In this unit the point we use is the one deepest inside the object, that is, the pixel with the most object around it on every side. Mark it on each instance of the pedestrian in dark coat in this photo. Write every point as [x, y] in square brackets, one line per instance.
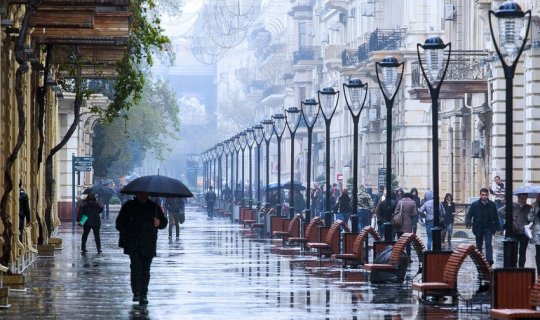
[409, 212]
[383, 214]
[91, 208]
[105, 194]
[24, 211]
[520, 212]
[483, 219]
[138, 222]
[416, 199]
[344, 206]
[449, 210]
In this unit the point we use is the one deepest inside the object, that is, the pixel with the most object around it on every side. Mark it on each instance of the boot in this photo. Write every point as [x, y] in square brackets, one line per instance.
[143, 299]
[449, 242]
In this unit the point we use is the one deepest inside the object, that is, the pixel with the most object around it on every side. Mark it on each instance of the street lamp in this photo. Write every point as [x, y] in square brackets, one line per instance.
[250, 139]
[434, 55]
[236, 143]
[242, 142]
[268, 130]
[511, 20]
[293, 119]
[219, 153]
[279, 128]
[310, 111]
[328, 100]
[388, 70]
[355, 93]
[227, 150]
[258, 135]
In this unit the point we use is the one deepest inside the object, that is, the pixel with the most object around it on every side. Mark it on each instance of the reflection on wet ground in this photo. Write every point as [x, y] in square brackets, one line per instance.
[219, 270]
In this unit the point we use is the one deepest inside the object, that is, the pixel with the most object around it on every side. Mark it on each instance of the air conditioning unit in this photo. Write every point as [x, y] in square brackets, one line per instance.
[368, 8]
[477, 150]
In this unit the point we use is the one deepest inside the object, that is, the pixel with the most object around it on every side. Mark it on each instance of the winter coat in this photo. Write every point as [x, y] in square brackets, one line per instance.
[408, 210]
[92, 209]
[449, 212]
[534, 217]
[344, 204]
[136, 225]
[520, 216]
[382, 213]
[427, 207]
[482, 216]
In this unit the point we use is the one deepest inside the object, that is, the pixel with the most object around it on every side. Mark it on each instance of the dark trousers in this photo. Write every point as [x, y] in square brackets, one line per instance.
[537, 258]
[210, 211]
[140, 272]
[86, 231]
[174, 220]
[105, 213]
[523, 242]
[487, 236]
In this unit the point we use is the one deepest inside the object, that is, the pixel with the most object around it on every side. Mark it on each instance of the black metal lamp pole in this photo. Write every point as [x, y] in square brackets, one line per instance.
[219, 151]
[237, 148]
[279, 128]
[510, 47]
[268, 130]
[203, 158]
[250, 140]
[242, 140]
[328, 100]
[293, 119]
[310, 111]
[226, 150]
[231, 150]
[214, 160]
[391, 80]
[434, 50]
[258, 136]
[355, 93]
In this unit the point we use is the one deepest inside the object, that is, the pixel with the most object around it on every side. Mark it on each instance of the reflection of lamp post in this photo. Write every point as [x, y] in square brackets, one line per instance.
[258, 136]
[391, 80]
[268, 130]
[242, 141]
[328, 100]
[511, 21]
[279, 128]
[434, 50]
[293, 119]
[250, 139]
[355, 97]
[310, 111]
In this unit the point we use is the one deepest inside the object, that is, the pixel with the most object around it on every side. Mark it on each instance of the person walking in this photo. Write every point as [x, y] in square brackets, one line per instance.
[520, 215]
[105, 193]
[138, 222]
[416, 199]
[427, 212]
[176, 212]
[498, 191]
[449, 209]
[383, 213]
[343, 206]
[24, 210]
[210, 198]
[534, 217]
[482, 217]
[90, 208]
[409, 212]
[364, 208]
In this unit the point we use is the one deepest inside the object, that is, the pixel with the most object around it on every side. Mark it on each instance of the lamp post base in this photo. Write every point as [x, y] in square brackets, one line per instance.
[307, 215]
[328, 218]
[354, 223]
[436, 238]
[291, 212]
[388, 231]
[510, 252]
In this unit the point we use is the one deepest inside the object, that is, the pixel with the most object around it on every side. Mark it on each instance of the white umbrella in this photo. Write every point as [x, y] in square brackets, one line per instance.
[532, 191]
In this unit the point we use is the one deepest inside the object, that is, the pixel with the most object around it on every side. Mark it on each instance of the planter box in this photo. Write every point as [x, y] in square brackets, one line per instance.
[45, 250]
[56, 242]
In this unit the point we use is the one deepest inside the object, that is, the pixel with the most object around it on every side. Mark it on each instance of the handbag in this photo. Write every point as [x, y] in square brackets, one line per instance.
[397, 217]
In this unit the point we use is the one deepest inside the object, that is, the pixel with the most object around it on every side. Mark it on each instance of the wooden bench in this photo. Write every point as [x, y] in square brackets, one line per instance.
[331, 243]
[448, 285]
[293, 228]
[522, 313]
[310, 232]
[359, 250]
[399, 248]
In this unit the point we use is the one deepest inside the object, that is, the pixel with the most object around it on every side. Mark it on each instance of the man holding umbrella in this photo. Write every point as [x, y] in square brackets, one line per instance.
[138, 222]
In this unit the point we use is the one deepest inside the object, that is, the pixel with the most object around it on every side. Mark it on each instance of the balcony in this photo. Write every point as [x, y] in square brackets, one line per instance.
[349, 58]
[307, 54]
[273, 95]
[332, 56]
[339, 5]
[379, 40]
[466, 74]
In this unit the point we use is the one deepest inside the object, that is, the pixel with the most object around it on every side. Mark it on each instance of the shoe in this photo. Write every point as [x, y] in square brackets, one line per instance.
[143, 300]
[177, 237]
[136, 297]
[170, 237]
[83, 251]
[99, 251]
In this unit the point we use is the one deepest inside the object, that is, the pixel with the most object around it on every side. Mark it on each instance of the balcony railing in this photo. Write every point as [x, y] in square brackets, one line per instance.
[380, 39]
[463, 65]
[307, 53]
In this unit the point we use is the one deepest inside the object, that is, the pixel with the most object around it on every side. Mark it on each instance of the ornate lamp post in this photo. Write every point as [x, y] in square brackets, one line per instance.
[250, 140]
[391, 80]
[268, 130]
[258, 135]
[236, 142]
[310, 111]
[355, 93]
[242, 141]
[293, 119]
[231, 151]
[328, 100]
[436, 70]
[213, 155]
[279, 128]
[219, 153]
[226, 150]
[509, 47]
[203, 159]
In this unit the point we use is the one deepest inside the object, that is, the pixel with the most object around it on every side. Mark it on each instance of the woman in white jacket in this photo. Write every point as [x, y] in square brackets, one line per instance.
[534, 217]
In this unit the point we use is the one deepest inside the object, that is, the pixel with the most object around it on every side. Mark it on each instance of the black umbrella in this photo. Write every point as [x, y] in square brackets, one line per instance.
[92, 190]
[297, 186]
[158, 186]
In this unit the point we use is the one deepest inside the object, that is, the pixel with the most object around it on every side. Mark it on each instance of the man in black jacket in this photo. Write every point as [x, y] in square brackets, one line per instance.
[483, 218]
[138, 222]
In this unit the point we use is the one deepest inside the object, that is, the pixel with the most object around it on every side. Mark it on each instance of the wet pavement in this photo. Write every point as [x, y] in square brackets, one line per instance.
[220, 270]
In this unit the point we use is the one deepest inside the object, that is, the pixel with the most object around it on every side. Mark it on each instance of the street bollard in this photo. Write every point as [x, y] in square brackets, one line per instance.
[354, 223]
[328, 218]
